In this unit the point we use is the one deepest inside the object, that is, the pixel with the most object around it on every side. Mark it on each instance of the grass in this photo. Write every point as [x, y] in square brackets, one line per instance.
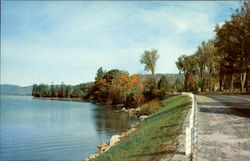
[156, 137]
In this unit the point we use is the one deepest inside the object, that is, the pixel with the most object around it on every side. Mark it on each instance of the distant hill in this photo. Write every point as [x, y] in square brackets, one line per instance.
[9, 89]
[170, 77]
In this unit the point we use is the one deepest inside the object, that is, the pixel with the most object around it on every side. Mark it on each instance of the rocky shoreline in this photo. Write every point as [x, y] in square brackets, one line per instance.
[103, 147]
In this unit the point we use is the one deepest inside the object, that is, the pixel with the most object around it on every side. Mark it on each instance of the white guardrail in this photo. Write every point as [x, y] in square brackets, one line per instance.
[192, 128]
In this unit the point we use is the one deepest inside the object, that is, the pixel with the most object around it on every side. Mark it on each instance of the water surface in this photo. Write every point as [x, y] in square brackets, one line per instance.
[35, 129]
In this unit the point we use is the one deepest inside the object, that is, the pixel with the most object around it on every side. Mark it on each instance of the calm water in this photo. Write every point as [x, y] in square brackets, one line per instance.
[34, 129]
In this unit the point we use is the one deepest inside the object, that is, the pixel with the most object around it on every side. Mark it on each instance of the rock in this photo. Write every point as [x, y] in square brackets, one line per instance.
[130, 131]
[105, 149]
[92, 156]
[135, 124]
[131, 112]
[123, 109]
[138, 109]
[143, 117]
[100, 146]
[120, 105]
[114, 139]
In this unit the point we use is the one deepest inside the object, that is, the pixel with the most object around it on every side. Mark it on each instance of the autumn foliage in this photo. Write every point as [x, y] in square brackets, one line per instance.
[127, 89]
[150, 107]
[118, 87]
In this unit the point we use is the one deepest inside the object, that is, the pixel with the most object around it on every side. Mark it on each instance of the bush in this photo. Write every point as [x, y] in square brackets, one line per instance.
[150, 107]
[161, 94]
[144, 111]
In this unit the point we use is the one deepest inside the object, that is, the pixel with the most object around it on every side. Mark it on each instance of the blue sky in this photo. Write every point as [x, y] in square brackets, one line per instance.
[44, 42]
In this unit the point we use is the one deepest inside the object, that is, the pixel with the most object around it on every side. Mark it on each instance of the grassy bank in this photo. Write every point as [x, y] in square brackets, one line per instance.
[155, 138]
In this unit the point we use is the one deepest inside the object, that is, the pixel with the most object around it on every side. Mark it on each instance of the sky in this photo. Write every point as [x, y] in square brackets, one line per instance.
[55, 41]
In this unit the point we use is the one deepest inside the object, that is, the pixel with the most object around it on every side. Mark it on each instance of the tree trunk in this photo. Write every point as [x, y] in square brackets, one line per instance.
[232, 83]
[247, 81]
[209, 81]
[153, 76]
[220, 81]
[202, 81]
[211, 84]
[243, 80]
[185, 82]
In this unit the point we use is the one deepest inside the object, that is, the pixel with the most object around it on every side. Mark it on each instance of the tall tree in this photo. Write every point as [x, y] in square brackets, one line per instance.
[149, 58]
[53, 90]
[212, 63]
[188, 65]
[201, 61]
[232, 40]
[163, 83]
[35, 91]
[99, 73]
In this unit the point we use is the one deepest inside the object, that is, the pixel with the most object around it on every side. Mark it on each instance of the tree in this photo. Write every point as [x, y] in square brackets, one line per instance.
[232, 40]
[178, 85]
[99, 73]
[53, 90]
[190, 83]
[110, 75]
[150, 90]
[188, 65]
[212, 63]
[163, 83]
[68, 91]
[162, 86]
[126, 90]
[149, 58]
[201, 61]
[35, 91]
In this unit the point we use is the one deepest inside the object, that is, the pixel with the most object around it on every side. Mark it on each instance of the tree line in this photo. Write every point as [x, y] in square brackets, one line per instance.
[222, 63]
[61, 91]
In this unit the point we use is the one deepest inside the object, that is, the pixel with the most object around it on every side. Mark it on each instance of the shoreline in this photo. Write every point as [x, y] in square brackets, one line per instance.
[62, 99]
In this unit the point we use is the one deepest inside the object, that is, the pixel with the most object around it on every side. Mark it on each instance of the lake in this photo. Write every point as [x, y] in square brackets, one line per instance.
[36, 129]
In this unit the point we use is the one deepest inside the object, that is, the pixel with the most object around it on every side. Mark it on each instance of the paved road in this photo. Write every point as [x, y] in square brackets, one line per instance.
[224, 128]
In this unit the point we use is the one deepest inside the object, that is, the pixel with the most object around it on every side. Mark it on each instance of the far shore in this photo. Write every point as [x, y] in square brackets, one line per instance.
[58, 98]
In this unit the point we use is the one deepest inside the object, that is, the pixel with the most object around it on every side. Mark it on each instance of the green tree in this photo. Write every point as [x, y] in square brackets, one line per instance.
[163, 83]
[201, 57]
[68, 91]
[178, 85]
[99, 73]
[53, 90]
[112, 74]
[162, 86]
[188, 65]
[35, 91]
[149, 58]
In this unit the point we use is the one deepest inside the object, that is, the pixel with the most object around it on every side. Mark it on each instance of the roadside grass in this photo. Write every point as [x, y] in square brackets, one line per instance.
[154, 138]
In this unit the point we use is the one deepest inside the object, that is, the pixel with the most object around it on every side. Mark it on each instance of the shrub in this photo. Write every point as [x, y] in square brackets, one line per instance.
[145, 111]
[150, 107]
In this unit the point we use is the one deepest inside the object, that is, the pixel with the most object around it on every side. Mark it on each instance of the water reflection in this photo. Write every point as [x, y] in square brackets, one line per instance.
[110, 120]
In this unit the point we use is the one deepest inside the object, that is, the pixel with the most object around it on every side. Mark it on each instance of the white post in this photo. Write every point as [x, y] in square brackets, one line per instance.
[188, 141]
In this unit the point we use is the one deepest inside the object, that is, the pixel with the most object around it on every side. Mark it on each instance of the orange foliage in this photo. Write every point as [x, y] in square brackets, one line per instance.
[127, 89]
[190, 83]
[101, 89]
